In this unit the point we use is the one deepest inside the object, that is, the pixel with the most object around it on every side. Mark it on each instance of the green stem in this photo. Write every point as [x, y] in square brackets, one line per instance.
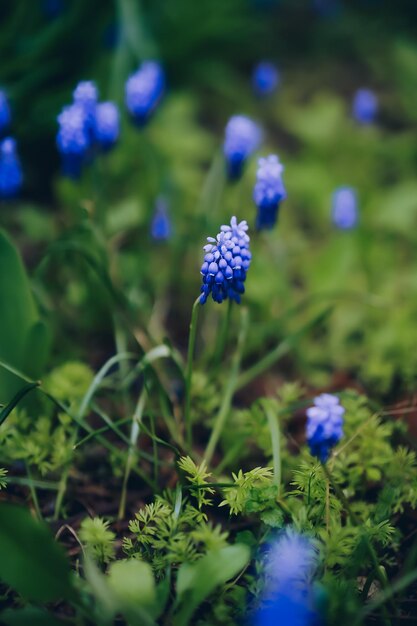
[189, 371]
[222, 335]
[229, 390]
[33, 492]
[273, 424]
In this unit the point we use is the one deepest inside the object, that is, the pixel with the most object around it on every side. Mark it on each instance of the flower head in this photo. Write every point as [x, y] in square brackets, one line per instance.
[242, 138]
[345, 208]
[289, 568]
[364, 106]
[86, 95]
[226, 263]
[106, 125]
[265, 78]
[10, 169]
[161, 223]
[4, 112]
[144, 90]
[269, 191]
[73, 138]
[324, 425]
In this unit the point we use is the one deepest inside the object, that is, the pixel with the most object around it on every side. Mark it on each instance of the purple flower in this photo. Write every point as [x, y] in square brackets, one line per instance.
[242, 138]
[161, 224]
[144, 90]
[365, 106]
[73, 139]
[265, 78]
[10, 170]
[324, 425]
[345, 208]
[106, 125]
[269, 191]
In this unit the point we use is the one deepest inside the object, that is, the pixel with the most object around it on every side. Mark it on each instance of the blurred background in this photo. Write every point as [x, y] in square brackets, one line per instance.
[324, 51]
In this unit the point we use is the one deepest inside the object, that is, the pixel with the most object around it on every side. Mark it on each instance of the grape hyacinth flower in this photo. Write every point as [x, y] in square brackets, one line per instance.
[73, 139]
[4, 112]
[242, 138]
[324, 425]
[86, 95]
[365, 106]
[265, 78]
[106, 125]
[289, 568]
[226, 263]
[345, 208]
[269, 191]
[161, 223]
[10, 169]
[144, 90]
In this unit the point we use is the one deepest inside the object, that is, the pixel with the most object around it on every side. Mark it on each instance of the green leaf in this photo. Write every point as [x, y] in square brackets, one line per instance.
[197, 581]
[30, 616]
[15, 401]
[132, 582]
[31, 561]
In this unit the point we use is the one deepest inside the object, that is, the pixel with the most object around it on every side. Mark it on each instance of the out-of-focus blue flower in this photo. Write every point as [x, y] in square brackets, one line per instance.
[73, 139]
[53, 8]
[242, 138]
[161, 224]
[144, 90]
[4, 112]
[364, 106]
[265, 78]
[106, 125]
[226, 263]
[345, 208]
[10, 170]
[86, 95]
[324, 425]
[289, 568]
[269, 191]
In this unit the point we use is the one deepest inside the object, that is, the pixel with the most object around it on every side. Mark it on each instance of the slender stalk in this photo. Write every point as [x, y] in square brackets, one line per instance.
[229, 390]
[189, 371]
[273, 424]
[33, 492]
[222, 335]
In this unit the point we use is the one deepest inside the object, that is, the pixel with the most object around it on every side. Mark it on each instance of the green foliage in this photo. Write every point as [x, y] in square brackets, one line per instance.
[98, 539]
[238, 497]
[3, 475]
[197, 476]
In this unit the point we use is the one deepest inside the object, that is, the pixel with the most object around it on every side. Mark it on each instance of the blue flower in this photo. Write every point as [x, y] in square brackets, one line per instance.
[161, 223]
[269, 191]
[226, 263]
[73, 138]
[144, 90]
[106, 125]
[265, 78]
[4, 112]
[289, 568]
[324, 425]
[10, 170]
[86, 95]
[242, 138]
[345, 208]
[365, 106]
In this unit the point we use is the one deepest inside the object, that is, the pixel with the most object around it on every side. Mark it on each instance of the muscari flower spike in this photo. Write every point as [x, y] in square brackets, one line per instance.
[242, 138]
[86, 95]
[345, 208]
[289, 567]
[144, 90]
[161, 224]
[265, 78]
[226, 263]
[365, 106]
[106, 125]
[5, 115]
[10, 170]
[324, 425]
[73, 139]
[269, 191]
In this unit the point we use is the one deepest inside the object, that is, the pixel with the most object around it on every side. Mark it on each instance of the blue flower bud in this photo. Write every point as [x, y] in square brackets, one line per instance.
[144, 90]
[365, 106]
[5, 115]
[10, 170]
[345, 208]
[324, 425]
[269, 191]
[242, 138]
[106, 125]
[265, 78]
[223, 269]
[73, 138]
[161, 223]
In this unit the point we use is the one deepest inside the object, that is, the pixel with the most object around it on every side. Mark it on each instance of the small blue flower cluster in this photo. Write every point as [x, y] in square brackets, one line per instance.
[161, 223]
[226, 263]
[242, 138]
[265, 78]
[324, 425]
[345, 208]
[85, 128]
[269, 191]
[144, 90]
[365, 106]
[11, 177]
[290, 566]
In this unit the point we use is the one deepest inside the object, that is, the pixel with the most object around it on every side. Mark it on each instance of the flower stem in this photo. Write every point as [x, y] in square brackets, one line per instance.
[189, 371]
[229, 390]
[222, 335]
[273, 424]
